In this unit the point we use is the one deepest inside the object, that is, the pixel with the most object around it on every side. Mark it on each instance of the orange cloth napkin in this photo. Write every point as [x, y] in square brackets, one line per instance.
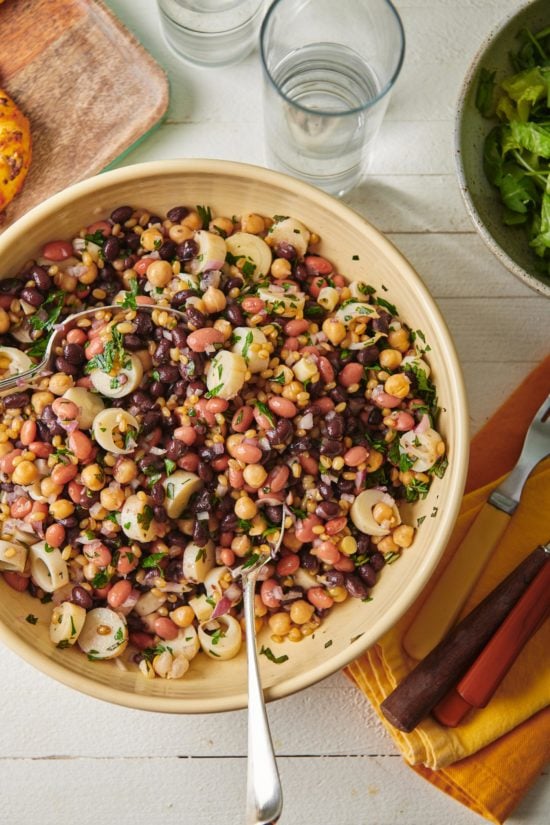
[493, 757]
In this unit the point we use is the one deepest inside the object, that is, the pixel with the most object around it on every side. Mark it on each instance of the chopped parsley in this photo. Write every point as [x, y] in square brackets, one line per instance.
[247, 341]
[153, 560]
[201, 554]
[391, 557]
[217, 635]
[48, 548]
[244, 524]
[264, 409]
[439, 467]
[129, 300]
[100, 580]
[251, 560]
[145, 517]
[114, 355]
[248, 268]
[96, 237]
[205, 214]
[416, 489]
[278, 379]
[268, 653]
[392, 309]
[169, 466]
[170, 491]
[31, 619]
[53, 306]
[328, 644]
[213, 392]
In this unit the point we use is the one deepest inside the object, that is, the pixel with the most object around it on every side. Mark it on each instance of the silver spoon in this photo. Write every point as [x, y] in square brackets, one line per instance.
[264, 795]
[60, 333]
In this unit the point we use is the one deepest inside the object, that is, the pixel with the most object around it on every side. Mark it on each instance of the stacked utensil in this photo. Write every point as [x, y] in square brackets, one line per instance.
[462, 668]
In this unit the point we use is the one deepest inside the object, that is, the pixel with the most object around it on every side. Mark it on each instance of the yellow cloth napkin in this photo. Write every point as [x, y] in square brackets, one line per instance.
[500, 750]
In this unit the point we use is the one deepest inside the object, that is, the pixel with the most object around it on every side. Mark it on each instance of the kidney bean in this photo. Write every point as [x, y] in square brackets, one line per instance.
[356, 456]
[57, 250]
[98, 554]
[16, 400]
[189, 462]
[80, 445]
[16, 581]
[247, 453]
[327, 552]
[326, 369]
[235, 478]
[28, 432]
[323, 405]
[344, 564]
[121, 214]
[55, 535]
[356, 587]
[288, 565]
[127, 561]
[317, 265]
[6, 462]
[318, 597]
[186, 434]
[242, 419]
[296, 327]
[404, 421]
[217, 405]
[95, 347]
[65, 409]
[63, 473]
[335, 525]
[165, 628]
[282, 406]
[268, 593]
[143, 265]
[21, 507]
[226, 556]
[118, 593]
[292, 344]
[75, 491]
[262, 420]
[253, 305]
[277, 479]
[41, 278]
[309, 464]
[351, 374]
[281, 433]
[304, 528]
[202, 339]
[76, 336]
[383, 399]
[141, 640]
[285, 250]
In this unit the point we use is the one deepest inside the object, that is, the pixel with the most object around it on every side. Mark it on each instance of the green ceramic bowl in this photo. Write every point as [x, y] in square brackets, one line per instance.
[482, 200]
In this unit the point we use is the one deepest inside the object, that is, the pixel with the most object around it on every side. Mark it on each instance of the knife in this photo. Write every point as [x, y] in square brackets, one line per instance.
[444, 603]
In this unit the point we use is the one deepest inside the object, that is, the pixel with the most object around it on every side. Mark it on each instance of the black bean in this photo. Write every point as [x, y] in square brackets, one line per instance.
[168, 373]
[300, 272]
[111, 248]
[200, 532]
[81, 597]
[327, 510]
[334, 424]
[16, 400]
[367, 356]
[205, 471]
[175, 449]
[32, 296]
[356, 587]
[195, 317]
[132, 241]
[157, 389]
[235, 314]
[174, 568]
[179, 299]
[179, 337]
[309, 562]
[74, 353]
[180, 389]
[285, 250]
[187, 250]
[11, 286]
[69, 523]
[162, 353]
[375, 417]
[228, 523]
[88, 499]
[7, 487]
[154, 219]
[338, 395]
[160, 513]
[368, 574]
[331, 447]
[65, 366]
[377, 560]
[122, 214]
[41, 278]
[177, 213]
[232, 283]
[157, 493]
[382, 323]
[273, 513]
[133, 342]
[345, 485]
[363, 544]
[141, 399]
[301, 445]
[325, 489]
[150, 463]
[335, 578]
[203, 502]
[143, 324]
[167, 251]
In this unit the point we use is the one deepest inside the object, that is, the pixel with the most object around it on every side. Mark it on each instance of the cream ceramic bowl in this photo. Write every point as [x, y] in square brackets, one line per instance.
[483, 202]
[351, 627]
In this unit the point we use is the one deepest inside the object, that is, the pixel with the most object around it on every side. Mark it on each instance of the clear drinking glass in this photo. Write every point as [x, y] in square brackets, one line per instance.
[211, 32]
[329, 67]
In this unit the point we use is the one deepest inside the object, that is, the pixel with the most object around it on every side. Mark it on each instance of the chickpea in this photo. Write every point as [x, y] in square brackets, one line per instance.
[49, 488]
[224, 327]
[399, 339]
[60, 383]
[112, 498]
[66, 282]
[382, 512]
[40, 400]
[245, 508]
[254, 475]
[374, 461]
[338, 594]
[90, 275]
[281, 268]
[279, 623]
[295, 635]
[403, 535]
[151, 239]
[125, 471]
[159, 273]
[259, 607]
[62, 508]
[301, 611]
[214, 300]
[241, 545]
[390, 359]
[334, 330]
[179, 233]
[25, 473]
[4, 321]
[223, 226]
[252, 223]
[193, 220]
[182, 616]
[387, 545]
[93, 477]
[398, 385]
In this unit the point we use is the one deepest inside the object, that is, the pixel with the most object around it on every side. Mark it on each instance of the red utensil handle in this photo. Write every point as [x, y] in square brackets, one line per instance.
[497, 657]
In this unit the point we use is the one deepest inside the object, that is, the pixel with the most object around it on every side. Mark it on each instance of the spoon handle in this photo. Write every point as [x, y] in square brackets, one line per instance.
[264, 796]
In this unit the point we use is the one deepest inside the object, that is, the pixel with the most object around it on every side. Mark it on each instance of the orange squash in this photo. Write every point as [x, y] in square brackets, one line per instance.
[15, 149]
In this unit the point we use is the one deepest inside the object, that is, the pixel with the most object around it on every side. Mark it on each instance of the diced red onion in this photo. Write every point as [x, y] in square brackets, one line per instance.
[292, 594]
[423, 425]
[157, 450]
[348, 497]
[203, 515]
[360, 479]
[127, 606]
[306, 422]
[234, 593]
[222, 607]
[218, 448]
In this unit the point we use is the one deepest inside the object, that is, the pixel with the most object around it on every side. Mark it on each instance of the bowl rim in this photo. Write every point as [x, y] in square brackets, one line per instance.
[498, 251]
[457, 467]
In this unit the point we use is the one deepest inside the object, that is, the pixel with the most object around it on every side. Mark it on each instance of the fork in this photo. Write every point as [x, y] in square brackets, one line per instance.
[444, 603]
[26, 377]
[264, 796]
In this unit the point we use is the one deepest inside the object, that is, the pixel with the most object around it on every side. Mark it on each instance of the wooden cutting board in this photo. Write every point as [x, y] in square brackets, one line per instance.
[89, 89]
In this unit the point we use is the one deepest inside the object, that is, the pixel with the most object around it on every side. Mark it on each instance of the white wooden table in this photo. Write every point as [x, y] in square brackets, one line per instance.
[69, 758]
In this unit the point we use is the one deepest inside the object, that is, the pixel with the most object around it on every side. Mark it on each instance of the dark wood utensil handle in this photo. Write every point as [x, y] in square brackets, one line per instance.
[422, 689]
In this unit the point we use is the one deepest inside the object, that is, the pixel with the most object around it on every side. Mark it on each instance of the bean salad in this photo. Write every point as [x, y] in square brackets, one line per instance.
[163, 452]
